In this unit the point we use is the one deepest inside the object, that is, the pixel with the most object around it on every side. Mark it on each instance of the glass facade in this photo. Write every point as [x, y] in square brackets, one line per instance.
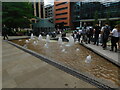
[87, 10]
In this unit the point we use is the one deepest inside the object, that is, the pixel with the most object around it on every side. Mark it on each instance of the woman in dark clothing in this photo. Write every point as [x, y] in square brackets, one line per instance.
[97, 32]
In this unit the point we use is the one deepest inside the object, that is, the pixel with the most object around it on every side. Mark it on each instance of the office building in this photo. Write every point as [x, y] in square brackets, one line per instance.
[49, 12]
[62, 12]
[85, 12]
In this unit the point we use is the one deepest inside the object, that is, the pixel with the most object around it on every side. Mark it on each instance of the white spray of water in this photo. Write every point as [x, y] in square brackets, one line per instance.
[60, 41]
[32, 37]
[27, 41]
[88, 59]
[71, 41]
[40, 37]
[47, 38]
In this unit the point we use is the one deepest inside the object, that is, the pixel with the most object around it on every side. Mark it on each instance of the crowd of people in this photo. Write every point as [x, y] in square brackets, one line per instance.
[92, 34]
[99, 35]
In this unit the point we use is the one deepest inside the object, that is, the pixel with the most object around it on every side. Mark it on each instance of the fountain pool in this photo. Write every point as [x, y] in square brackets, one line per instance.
[98, 68]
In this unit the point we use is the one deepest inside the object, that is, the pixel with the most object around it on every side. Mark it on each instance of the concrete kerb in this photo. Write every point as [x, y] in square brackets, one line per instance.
[19, 38]
[102, 55]
[65, 68]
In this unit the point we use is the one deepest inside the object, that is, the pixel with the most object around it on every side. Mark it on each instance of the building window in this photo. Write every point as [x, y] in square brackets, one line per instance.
[61, 8]
[61, 18]
[61, 3]
[61, 13]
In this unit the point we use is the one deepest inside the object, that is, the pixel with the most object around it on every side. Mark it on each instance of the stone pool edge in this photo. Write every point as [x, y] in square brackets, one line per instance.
[64, 68]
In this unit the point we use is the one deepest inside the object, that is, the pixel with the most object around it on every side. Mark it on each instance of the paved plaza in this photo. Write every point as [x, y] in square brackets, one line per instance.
[52, 44]
[22, 70]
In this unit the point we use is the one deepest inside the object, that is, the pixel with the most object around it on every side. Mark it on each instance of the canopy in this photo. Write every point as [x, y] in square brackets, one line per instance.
[43, 23]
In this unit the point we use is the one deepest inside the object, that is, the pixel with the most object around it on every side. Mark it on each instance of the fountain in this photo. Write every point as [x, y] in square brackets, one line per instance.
[35, 43]
[71, 41]
[46, 45]
[77, 57]
[32, 37]
[77, 49]
[40, 38]
[63, 50]
[88, 59]
[60, 41]
[27, 41]
[47, 41]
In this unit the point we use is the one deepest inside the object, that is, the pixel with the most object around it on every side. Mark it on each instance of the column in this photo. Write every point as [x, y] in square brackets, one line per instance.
[35, 8]
[39, 8]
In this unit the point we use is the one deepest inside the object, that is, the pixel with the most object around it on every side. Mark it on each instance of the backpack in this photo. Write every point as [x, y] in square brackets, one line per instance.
[106, 32]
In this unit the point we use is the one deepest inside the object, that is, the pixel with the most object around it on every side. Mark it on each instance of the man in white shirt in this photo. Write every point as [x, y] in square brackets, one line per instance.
[114, 38]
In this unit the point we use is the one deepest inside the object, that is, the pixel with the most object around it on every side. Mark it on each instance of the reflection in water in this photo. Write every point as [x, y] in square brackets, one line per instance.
[75, 57]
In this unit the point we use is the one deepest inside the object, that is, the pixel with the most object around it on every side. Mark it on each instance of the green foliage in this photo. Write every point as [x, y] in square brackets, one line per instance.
[16, 14]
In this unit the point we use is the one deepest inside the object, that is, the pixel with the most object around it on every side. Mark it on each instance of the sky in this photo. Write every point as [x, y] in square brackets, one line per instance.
[46, 2]
[52, 1]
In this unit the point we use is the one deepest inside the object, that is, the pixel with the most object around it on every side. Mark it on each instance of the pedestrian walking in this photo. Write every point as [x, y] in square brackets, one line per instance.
[5, 32]
[96, 33]
[101, 36]
[114, 38]
[79, 34]
[89, 34]
[119, 36]
[84, 34]
[105, 35]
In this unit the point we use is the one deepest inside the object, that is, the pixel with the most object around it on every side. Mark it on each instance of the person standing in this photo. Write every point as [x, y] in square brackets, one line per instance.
[97, 32]
[114, 38]
[79, 34]
[5, 32]
[89, 34]
[119, 36]
[84, 33]
[105, 35]
[101, 36]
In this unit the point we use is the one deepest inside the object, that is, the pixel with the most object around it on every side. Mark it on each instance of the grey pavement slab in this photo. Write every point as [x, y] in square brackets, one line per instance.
[22, 70]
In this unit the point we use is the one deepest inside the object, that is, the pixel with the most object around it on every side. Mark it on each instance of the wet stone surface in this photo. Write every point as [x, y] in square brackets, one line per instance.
[74, 57]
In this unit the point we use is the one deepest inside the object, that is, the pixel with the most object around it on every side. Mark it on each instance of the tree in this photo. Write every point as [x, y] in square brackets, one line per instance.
[17, 14]
[96, 17]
